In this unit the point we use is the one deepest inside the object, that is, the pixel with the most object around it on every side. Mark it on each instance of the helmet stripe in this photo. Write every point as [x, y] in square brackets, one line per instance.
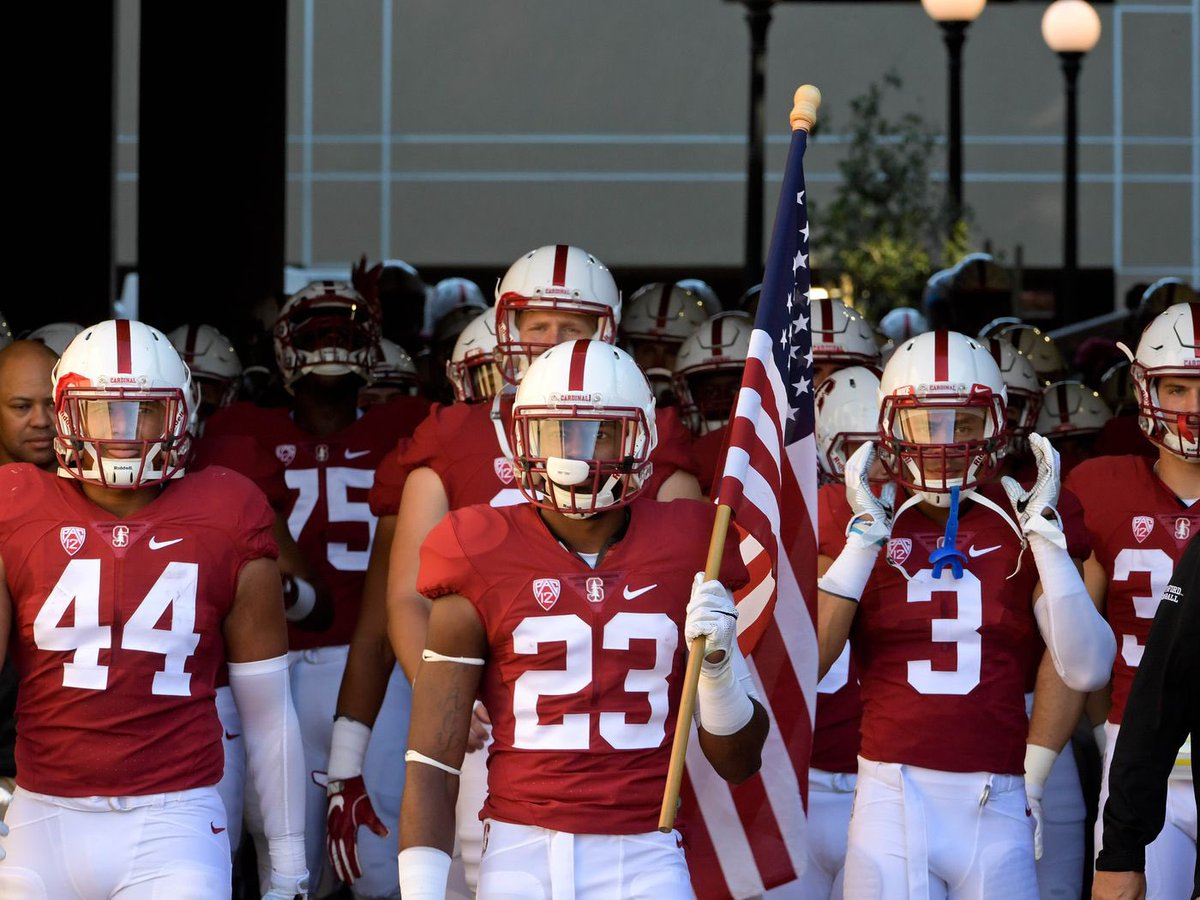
[1064, 411]
[664, 302]
[827, 321]
[560, 265]
[994, 347]
[941, 356]
[578, 364]
[718, 339]
[189, 342]
[124, 348]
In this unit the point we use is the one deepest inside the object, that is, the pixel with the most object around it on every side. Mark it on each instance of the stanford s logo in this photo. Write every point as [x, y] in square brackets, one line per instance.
[285, 453]
[120, 537]
[72, 538]
[1142, 526]
[898, 550]
[595, 590]
[546, 591]
[322, 453]
[504, 469]
[1183, 528]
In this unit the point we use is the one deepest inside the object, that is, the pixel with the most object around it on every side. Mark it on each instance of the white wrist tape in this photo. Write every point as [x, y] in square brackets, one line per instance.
[306, 599]
[347, 748]
[723, 702]
[1080, 642]
[850, 572]
[274, 756]
[1038, 762]
[428, 655]
[414, 756]
[424, 872]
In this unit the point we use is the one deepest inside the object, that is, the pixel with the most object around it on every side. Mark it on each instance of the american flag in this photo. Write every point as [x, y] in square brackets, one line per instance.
[754, 834]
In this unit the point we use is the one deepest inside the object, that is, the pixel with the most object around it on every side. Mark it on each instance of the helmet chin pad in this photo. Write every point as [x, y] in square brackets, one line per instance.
[567, 472]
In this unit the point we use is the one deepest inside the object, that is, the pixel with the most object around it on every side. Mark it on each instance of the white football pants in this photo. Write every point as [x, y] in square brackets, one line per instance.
[923, 833]
[1171, 857]
[168, 846]
[523, 862]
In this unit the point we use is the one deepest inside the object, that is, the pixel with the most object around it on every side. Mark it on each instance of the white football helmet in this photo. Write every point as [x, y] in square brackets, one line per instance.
[705, 290]
[556, 278]
[211, 358]
[6, 335]
[942, 416]
[326, 328]
[583, 429]
[902, 322]
[1170, 345]
[1117, 389]
[1024, 391]
[1071, 409]
[840, 335]
[1163, 294]
[56, 335]
[1039, 348]
[708, 370]
[448, 295]
[394, 368]
[471, 368]
[664, 312]
[122, 403]
[847, 407]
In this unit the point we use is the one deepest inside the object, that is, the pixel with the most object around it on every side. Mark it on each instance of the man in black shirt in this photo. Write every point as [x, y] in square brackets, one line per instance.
[1163, 708]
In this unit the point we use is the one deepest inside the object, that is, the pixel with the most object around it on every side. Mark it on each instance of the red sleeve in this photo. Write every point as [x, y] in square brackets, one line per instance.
[833, 512]
[384, 498]
[425, 445]
[444, 567]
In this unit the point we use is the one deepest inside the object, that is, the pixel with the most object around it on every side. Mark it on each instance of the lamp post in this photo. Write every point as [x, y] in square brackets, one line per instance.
[1071, 28]
[953, 17]
[758, 18]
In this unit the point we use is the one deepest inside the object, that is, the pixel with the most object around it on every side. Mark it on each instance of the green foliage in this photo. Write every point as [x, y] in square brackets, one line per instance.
[887, 228]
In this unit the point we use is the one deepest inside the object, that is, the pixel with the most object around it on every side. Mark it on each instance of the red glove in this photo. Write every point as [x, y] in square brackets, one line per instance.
[349, 808]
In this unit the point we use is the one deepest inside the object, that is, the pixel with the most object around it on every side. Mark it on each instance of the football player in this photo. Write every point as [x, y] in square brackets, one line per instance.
[1141, 514]
[216, 369]
[841, 338]
[326, 341]
[943, 629]
[460, 455]
[127, 585]
[654, 323]
[567, 615]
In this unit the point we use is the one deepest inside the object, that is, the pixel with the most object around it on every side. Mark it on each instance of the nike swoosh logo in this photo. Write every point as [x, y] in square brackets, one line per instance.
[355, 454]
[232, 737]
[158, 545]
[972, 552]
[215, 829]
[633, 595]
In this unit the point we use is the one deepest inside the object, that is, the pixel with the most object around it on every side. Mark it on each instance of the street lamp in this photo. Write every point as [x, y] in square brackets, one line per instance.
[1071, 28]
[953, 16]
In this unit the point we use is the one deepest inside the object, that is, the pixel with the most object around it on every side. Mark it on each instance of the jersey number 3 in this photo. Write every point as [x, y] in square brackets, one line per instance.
[79, 584]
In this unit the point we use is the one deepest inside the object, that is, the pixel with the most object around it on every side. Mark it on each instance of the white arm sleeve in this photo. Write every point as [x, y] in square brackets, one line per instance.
[275, 757]
[1080, 642]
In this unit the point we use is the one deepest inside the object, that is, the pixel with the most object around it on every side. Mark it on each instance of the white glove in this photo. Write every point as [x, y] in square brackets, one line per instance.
[285, 887]
[1033, 798]
[872, 519]
[712, 613]
[1030, 505]
[3, 833]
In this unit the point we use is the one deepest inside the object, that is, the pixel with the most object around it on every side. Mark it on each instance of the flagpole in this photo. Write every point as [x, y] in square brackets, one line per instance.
[803, 116]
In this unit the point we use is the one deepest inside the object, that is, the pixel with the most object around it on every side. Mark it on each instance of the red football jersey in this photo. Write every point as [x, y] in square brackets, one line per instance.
[245, 456]
[1139, 530]
[462, 443]
[707, 452]
[117, 628]
[1122, 435]
[839, 706]
[384, 498]
[943, 662]
[328, 479]
[585, 665]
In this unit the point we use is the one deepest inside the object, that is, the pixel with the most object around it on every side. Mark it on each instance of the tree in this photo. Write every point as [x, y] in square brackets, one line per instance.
[886, 230]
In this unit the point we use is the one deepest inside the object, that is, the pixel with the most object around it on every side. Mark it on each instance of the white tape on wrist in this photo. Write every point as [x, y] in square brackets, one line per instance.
[723, 705]
[1038, 763]
[347, 748]
[414, 756]
[850, 572]
[424, 872]
[428, 655]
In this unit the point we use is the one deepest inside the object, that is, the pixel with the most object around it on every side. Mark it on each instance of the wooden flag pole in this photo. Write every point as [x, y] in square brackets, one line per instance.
[803, 116]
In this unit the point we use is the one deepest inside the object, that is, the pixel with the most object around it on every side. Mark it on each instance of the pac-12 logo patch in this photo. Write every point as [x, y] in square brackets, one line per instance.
[898, 550]
[1142, 526]
[285, 453]
[1183, 528]
[546, 591]
[120, 537]
[72, 538]
[504, 469]
[595, 589]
